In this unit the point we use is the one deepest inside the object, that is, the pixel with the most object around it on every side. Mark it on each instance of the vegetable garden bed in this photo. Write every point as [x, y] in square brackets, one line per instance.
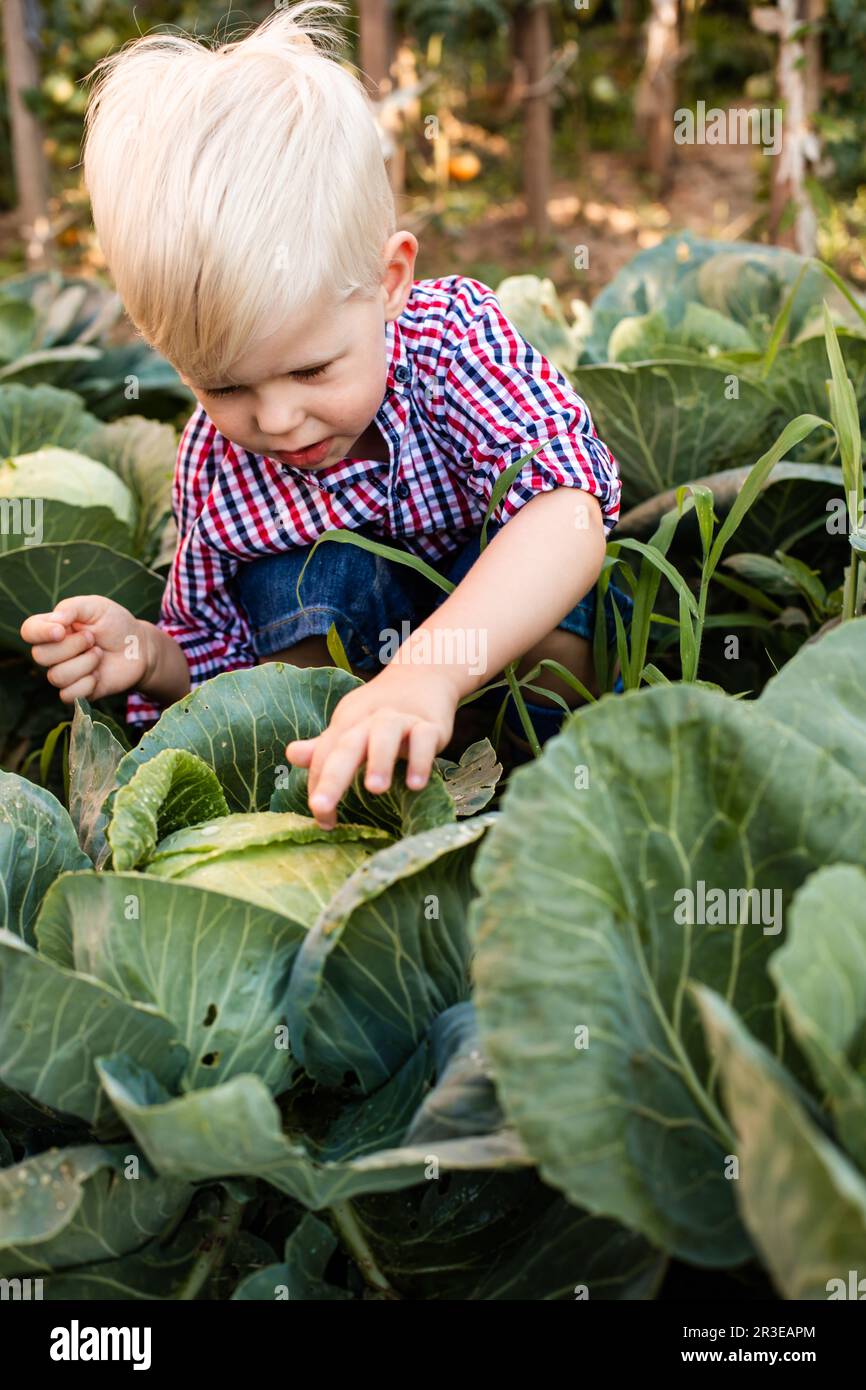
[599, 1028]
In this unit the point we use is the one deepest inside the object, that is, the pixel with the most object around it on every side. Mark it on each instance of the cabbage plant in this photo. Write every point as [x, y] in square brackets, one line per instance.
[209, 1008]
[671, 966]
[55, 330]
[676, 327]
[508, 1054]
[85, 506]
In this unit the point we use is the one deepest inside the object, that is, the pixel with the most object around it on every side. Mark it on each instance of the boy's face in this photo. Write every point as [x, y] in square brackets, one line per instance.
[317, 381]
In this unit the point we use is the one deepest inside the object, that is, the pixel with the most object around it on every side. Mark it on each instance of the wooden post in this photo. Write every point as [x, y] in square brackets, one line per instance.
[655, 98]
[815, 11]
[532, 49]
[798, 85]
[28, 156]
[382, 73]
[625, 20]
[375, 43]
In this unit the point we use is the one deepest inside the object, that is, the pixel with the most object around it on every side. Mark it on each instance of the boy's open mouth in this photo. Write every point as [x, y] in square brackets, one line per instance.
[313, 454]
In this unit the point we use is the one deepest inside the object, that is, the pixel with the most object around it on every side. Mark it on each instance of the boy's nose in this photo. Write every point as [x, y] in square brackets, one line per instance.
[280, 421]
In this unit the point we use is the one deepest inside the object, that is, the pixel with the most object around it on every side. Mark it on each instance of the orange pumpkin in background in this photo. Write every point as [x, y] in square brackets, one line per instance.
[464, 166]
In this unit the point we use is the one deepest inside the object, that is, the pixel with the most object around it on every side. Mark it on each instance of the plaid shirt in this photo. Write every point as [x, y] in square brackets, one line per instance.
[466, 396]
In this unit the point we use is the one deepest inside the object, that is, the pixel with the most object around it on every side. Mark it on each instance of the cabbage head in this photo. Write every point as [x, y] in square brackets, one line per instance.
[62, 475]
[280, 860]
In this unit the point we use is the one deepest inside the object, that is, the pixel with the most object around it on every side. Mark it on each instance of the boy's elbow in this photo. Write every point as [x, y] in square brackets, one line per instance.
[589, 518]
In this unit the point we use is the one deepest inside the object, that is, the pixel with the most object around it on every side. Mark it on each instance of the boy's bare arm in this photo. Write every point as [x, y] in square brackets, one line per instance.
[530, 575]
[535, 569]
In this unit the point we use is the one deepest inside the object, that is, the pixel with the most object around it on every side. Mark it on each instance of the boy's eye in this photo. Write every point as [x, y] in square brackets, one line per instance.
[301, 376]
[307, 376]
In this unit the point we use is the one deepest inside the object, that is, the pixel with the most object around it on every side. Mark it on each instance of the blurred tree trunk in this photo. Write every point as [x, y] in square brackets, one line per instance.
[28, 156]
[405, 112]
[532, 49]
[798, 82]
[375, 44]
[625, 19]
[655, 98]
[815, 12]
[382, 71]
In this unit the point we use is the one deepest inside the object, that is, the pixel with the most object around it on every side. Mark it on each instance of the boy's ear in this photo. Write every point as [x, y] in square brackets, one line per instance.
[400, 252]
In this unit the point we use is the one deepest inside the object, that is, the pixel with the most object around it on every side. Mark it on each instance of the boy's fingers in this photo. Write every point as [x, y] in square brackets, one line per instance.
[41, 627]
[324, 743]
[336, 774]
[80, 690]
[52, 627]
[66, 673]
[84, 608]
[387, 733]
[50, 653]
[300, 751]
[423, 741]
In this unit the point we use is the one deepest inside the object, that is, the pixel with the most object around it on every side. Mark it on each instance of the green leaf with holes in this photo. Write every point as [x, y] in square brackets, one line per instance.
[217, 969]
[236, 1128]
[68, 1207]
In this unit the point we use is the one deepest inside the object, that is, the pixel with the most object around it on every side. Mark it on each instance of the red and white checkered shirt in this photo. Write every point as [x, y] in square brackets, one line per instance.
[466, 396]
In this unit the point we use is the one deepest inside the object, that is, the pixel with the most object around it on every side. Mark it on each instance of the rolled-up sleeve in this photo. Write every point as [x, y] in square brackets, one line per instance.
[501, 398]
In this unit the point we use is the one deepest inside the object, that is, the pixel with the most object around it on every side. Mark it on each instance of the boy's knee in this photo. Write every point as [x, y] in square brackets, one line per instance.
[310, 651]
[570, 651]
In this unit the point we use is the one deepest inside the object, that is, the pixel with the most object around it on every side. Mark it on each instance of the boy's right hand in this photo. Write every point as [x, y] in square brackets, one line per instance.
[91, 646]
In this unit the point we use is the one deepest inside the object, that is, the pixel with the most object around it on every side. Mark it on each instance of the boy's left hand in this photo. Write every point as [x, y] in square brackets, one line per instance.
[404, 711]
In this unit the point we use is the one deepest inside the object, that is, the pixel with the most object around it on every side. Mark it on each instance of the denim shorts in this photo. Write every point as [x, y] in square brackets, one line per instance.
[369, 598]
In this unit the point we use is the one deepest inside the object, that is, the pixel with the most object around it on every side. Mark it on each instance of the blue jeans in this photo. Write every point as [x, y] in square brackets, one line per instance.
[369, 598]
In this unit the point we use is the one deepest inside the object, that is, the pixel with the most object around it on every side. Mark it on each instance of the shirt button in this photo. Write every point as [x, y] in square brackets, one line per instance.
[402, 373]
[402, 489]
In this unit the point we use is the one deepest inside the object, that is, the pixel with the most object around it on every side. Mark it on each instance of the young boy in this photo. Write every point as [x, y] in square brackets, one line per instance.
[243, 207]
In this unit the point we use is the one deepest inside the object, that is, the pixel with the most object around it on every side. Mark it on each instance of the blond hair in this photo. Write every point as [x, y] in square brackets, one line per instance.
[235, 182]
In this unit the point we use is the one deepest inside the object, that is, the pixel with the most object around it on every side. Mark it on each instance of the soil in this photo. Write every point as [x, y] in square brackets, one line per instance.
[611, 210]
